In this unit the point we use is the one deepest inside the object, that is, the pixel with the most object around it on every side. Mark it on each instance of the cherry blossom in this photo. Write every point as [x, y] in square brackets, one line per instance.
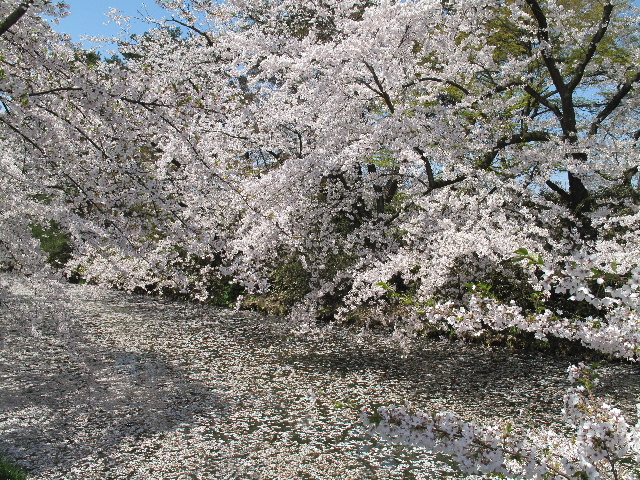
[468, 166]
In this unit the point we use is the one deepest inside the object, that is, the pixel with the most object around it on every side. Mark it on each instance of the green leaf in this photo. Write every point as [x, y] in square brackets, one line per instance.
[376, 418]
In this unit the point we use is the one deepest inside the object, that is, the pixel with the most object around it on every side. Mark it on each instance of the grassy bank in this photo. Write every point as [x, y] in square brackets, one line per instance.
[10, 471]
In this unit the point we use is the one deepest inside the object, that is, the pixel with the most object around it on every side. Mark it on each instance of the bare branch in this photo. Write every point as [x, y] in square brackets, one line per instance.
[440, 80]
[22, 135]
[433, 182]
[525, 137]
[593, 45]
[380, 91]
[559, 190]
[543, 101]
[543, 38]
[195, 29]
[427, 165]
[613, 103]
[16, 15]
[54, 90]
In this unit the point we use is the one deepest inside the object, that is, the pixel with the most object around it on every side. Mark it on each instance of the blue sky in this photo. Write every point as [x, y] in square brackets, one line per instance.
[87, 17]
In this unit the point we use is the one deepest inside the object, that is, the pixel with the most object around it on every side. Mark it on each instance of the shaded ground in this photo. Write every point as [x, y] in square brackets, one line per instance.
[102, 385]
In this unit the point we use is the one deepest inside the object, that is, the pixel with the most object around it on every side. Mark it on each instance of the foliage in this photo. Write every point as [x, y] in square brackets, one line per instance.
[54, 242]
[9, 471]
[290, 282]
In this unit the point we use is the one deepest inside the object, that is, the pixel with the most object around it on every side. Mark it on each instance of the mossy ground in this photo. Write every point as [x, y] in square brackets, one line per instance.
[10, 471]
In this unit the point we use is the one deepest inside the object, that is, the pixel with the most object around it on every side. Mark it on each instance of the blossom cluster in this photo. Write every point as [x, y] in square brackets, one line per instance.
[601, 445]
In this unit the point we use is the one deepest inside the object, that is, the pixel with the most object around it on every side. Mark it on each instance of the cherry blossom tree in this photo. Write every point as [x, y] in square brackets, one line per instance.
[466, 165]
[406, 147]
[102, 149]
[423, 150]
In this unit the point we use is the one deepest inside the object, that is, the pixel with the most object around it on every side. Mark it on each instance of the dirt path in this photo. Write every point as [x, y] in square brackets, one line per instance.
[109, 386]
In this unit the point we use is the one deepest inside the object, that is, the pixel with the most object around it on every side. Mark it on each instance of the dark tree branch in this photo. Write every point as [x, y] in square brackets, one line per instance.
[195, 29]
[380, 200]
[629, 174]
[579, 195]
[16, 15]
[526, 137]
[439, 80]
[124, 99]
[405, 175]
[54, 90]
[380, 90]
[391, 188]
[445, 183]
[543, 38]
[427, 166]
[83, 134]
[142, 103]
[593, 45]
[386, 192]
[22, 135]
[577, 199]
[543, 101]
[433, 182]
[613, 103]
[568, 117]
[298, 135]
[559, 190]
